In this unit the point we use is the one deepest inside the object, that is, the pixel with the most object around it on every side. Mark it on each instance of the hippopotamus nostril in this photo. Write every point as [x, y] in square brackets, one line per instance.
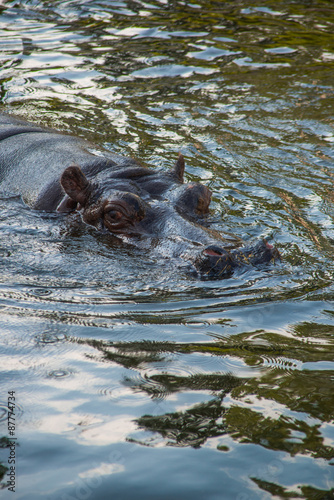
[213, 250]
[215, 262]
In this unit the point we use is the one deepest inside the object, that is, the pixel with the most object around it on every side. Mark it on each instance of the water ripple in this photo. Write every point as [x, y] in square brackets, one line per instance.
[5, 412]
[49, 338]
[243, 364]
[60, 373]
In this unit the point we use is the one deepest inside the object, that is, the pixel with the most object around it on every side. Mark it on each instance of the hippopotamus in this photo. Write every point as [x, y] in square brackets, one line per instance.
[146, 207]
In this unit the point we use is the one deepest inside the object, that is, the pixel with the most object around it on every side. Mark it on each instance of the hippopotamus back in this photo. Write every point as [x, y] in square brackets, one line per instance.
[33, 158]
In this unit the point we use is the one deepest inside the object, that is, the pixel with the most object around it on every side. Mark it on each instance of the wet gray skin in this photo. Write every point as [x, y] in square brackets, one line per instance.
[115, 194]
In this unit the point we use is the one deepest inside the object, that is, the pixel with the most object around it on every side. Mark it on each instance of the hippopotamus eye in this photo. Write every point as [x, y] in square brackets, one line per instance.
[114, 215]
[116, 218]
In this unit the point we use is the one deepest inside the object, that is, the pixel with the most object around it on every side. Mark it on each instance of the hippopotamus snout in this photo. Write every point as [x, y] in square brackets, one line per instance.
[217, 262]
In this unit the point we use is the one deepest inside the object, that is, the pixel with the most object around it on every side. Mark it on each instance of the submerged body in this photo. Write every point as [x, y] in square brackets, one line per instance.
[54, 171]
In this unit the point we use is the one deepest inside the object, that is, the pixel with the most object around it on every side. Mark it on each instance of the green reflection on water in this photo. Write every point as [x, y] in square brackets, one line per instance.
[256, 127]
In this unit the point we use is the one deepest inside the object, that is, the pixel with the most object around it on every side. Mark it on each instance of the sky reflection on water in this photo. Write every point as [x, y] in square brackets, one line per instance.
[134, 379]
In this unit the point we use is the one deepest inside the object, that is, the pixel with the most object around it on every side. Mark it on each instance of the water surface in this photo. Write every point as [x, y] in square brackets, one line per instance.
[133, 379]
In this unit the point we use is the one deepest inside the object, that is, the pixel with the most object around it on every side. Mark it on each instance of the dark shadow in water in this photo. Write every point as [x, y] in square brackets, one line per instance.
[306, 492]
[305, 394]
[5, 443]
[195, 426]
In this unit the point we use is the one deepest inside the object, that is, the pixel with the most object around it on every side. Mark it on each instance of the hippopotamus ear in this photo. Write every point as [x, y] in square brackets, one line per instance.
[178, 170]
[75, 184]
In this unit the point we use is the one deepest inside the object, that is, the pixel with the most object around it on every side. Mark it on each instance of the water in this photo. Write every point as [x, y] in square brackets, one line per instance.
[131, 378]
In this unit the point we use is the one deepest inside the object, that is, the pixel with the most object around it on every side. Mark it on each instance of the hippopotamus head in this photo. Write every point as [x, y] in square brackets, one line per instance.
[152, 209]
[119, 200]
[137, 203]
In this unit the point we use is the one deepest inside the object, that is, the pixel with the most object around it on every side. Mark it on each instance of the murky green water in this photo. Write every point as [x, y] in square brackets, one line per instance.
[133, 380]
